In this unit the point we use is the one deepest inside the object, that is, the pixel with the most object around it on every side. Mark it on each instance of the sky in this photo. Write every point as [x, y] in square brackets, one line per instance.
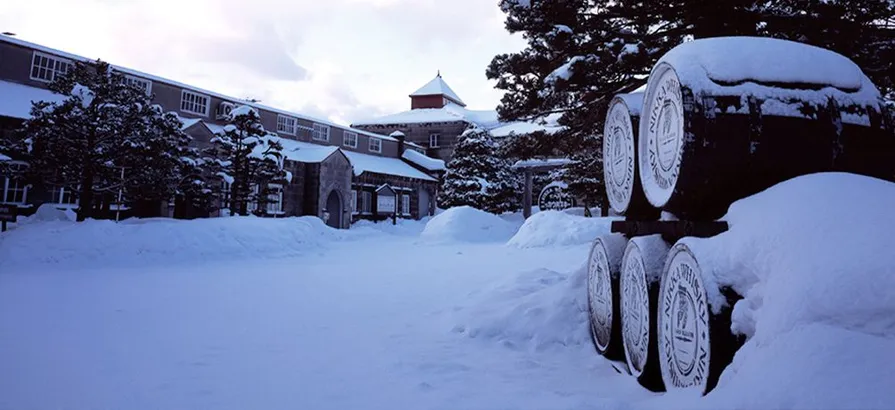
[344, 60]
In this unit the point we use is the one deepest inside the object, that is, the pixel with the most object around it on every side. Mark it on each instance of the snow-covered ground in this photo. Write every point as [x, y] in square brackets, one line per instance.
[238, 313]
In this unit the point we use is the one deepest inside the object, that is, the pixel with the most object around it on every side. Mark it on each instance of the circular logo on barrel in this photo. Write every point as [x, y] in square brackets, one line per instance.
[600, 295]
[665, 131]
[635, 312]
[555, 196]
[684, 326]
[618, 156]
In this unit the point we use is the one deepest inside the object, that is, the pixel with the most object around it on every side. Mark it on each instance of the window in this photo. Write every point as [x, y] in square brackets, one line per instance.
[353, 202]
[64, 196]
[434, 140]
[350, 139]
[140, 83]
[321, 132]
[367, 203]
[45, 67]
[286, 125]
[194, 103]
[405, 204]
[15, 191]
[225, 195]
[375, 144]
[275, 199]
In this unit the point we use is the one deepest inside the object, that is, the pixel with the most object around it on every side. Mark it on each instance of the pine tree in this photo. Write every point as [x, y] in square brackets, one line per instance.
[476, 176]
[247, 158]
[581, 53]
[103, 129]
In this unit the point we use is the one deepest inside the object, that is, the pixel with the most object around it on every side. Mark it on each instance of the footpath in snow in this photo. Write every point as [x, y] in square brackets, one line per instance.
[466, 310]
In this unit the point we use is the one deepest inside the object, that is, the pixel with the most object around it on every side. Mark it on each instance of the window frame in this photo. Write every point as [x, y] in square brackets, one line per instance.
[378, 145]
[405, 204]
[6, 190]
[366, 202]
[319, 130]
[183, 95]
[354, 202]
[59, 194]
[134, 80]
[283, 120]
[226, 189]
[278, 203]
[437, 137]
[54, 71]
[345, 135]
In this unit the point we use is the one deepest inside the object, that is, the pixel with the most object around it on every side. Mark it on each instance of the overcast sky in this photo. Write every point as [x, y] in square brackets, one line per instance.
[345, 60]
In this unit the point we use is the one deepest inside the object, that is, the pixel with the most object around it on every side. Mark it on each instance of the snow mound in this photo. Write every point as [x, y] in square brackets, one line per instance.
[557, 228]
[538, 309]
[49, 213]
[160, 241]
[812, 258]
[467, 224]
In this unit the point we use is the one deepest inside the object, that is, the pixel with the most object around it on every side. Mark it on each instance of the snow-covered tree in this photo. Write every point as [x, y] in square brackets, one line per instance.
[581, 53]
[248, 159]
[477, 176]
[103, 129]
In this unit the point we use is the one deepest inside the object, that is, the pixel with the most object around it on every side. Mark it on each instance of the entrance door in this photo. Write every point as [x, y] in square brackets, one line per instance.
[334, 207]
[424, 203]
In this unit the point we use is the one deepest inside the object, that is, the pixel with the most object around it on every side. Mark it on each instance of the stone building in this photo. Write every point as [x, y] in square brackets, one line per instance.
[338, 171]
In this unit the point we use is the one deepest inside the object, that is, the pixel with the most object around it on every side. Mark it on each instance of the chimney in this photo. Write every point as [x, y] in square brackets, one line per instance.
[398, 135]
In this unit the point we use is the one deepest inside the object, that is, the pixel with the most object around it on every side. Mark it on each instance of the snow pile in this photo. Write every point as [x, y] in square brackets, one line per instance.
[427, 162]
[49, 213]
[557, 228]
[467, 224]
[813, 259]
[539, 309]
[141, 242]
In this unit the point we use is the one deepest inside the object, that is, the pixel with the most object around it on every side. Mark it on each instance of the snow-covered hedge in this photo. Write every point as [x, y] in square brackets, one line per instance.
[467, 224]
[557, 228]
[97, 244]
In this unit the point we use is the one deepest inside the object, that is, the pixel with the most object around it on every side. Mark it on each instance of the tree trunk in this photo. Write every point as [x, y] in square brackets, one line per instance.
[85, 198]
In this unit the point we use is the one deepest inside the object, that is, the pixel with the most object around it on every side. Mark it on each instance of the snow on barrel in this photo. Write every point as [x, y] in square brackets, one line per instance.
[695, 340]
[724, 118]
[639, 292]
[620, 157]
[603, 269]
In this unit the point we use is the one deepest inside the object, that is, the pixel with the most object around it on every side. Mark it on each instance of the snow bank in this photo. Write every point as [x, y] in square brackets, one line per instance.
[467, 224]
[160, 241]
[538, 309]
[557, 228]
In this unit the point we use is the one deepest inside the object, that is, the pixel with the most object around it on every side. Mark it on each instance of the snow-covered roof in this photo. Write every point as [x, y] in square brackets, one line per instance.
[449, 113]
[305, 152]
[438, 87]
[542, 163]
[15, 99]
[155, 78]
[397, 134]
[384, 165]
[189, 122]
[429, 163]
[5, 158]
[547, 125]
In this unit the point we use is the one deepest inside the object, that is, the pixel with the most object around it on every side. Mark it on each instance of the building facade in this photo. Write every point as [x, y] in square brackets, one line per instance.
[336, 169]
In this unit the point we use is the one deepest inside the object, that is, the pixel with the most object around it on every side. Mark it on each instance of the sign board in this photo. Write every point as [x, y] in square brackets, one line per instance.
[555, 197]
[8, 213]
[385, 200]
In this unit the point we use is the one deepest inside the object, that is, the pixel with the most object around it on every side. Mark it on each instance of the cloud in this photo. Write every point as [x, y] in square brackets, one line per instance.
[341, 59]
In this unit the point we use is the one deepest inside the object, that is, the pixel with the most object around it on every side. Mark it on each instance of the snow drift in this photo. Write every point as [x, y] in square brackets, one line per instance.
[556, 228]
[140, 242]
[467, 224]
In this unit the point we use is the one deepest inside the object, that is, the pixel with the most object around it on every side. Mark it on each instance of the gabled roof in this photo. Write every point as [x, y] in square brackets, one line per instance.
[438, 87]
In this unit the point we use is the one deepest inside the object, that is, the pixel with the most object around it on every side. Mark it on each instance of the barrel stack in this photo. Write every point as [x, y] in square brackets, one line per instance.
[721, 119]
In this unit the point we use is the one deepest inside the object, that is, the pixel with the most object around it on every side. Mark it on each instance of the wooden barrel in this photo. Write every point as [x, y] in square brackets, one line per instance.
[639, 290]
[620, 159]
[726, 118]
[695, 340]
[603, 269]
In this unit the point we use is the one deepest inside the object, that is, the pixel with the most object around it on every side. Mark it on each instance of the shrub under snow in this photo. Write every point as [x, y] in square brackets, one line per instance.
[467, 224]
[556, 228]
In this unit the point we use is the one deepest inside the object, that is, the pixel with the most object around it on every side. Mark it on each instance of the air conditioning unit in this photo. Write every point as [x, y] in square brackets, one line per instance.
[224, 110]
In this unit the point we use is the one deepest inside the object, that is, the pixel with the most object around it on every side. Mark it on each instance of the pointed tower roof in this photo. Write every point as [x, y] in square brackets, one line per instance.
[438, 87]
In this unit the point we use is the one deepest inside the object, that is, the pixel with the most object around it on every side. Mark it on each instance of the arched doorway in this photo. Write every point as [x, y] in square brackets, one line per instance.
[334, 208]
